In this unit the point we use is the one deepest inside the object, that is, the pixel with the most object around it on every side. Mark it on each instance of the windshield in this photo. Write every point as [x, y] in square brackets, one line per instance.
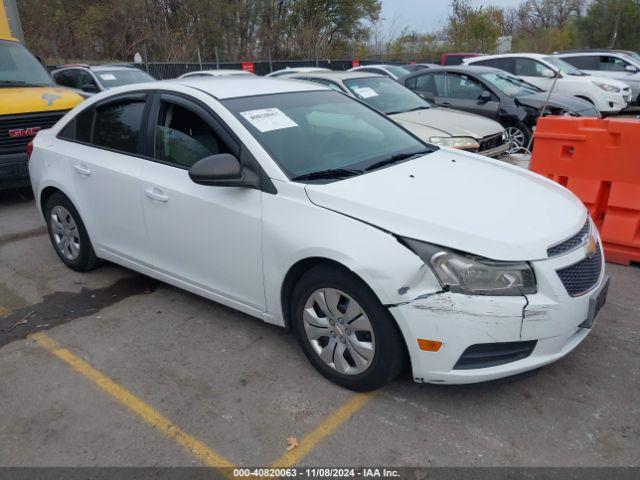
[309, 132]
[385, 94]
[397, 71]
[564, 67]
[510, 85]
[633, 56]
[116, 78]
[19, 68]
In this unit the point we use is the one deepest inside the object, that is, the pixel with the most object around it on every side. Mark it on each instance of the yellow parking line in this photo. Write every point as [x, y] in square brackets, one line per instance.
[143, 410]
[338, 417]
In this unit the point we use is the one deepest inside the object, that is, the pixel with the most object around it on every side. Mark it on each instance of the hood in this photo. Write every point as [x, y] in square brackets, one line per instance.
[593, 78]
[462, 201]
[572, 104]
[451, 122]
[37, 99]
[616, 83]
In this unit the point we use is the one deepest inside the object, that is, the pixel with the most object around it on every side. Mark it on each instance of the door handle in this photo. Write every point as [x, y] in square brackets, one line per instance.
[82, 169]
[445, 104]
[156, 194]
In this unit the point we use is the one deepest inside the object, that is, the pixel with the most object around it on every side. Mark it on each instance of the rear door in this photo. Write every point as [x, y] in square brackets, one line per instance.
[587, 63]
[106, 154]
[430, 86]
[209, 238]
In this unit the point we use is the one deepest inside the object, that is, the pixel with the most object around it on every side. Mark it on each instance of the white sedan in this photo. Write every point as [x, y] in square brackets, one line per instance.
[308, 209]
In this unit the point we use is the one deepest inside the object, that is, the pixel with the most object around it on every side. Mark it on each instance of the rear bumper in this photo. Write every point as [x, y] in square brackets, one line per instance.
[14, 171]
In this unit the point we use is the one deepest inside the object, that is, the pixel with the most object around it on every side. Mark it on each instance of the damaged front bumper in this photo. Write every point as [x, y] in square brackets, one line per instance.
[550, 323]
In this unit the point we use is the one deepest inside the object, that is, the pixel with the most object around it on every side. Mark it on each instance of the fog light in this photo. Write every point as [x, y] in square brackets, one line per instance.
[429, 345]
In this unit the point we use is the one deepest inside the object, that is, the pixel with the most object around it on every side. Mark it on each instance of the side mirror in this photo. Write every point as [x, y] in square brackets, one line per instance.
[548, 73]
[631, 68]
[485, 96]
[89, 88]
[221, 170]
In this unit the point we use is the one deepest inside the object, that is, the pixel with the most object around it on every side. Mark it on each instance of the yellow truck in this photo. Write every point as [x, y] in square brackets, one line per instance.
[29, 101]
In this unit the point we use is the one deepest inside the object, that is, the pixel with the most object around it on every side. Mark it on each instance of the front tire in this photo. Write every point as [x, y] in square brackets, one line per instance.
[68, 234]
[344, 330]
[518, 136]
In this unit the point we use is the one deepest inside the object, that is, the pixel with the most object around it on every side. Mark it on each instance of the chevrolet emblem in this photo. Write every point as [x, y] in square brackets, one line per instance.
[591, 247]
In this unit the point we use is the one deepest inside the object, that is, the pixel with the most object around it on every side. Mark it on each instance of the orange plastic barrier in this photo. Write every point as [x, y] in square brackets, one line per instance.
[599, 161]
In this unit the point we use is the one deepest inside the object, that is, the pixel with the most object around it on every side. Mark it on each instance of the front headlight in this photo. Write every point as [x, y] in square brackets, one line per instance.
[463, 143]
[462, 273]
[607, 88]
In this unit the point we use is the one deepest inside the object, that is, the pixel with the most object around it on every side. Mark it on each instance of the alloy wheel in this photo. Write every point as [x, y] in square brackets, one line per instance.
[65, 232]
[516, 138]
[339, 331]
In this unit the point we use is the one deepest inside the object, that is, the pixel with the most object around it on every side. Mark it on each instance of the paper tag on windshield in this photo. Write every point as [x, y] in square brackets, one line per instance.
[107, 76]
[366, 92]
[268, 119]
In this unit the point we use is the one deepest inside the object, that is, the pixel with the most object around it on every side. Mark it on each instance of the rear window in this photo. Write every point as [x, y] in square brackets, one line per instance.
[117, 125]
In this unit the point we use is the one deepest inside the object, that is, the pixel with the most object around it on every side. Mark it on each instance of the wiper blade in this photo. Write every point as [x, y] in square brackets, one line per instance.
[329, 173]
[398, 157]
[405, 111]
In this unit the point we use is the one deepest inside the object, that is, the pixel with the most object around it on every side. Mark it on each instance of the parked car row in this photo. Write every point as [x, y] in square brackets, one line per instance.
[607, 95]
[495, 94]
[515, 101]
[304, 205]
[438, 126]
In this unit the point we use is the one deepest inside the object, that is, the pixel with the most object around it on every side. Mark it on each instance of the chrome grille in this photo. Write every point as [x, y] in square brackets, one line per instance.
[581, 277]
[9, 145]
[492, 142]
[570, 243]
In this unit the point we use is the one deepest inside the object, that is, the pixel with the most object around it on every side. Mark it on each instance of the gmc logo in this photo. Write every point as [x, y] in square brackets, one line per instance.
[23, 132]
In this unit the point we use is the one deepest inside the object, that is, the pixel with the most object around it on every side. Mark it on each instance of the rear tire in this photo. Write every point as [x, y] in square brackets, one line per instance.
[68, 234]
[344, 330]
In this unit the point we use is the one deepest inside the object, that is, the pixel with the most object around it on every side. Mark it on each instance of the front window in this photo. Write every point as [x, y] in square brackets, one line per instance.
[612, 64]
[307, 132]
[564, 67]
[116, 78]
[19, 68]
[385, 94]
[510, 85]
[183, 138]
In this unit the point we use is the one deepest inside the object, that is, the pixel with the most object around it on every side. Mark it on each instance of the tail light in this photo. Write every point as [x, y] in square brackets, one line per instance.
[29, 149]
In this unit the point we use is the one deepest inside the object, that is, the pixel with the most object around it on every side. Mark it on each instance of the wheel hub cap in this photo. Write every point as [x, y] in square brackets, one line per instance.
[339, 331]
[65, 233]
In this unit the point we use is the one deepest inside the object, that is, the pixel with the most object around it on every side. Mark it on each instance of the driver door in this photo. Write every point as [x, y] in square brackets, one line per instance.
[206, 238]
[531, 71]
[463, 92]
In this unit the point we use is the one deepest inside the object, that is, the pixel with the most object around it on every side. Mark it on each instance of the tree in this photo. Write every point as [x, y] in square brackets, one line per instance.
[474, 29]
[173, 30]
[611, 23]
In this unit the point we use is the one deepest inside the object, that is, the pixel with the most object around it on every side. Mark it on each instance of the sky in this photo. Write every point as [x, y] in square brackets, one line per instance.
[425, 15]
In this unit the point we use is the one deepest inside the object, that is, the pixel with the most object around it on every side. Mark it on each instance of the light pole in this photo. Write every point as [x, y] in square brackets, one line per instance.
[10, 19]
